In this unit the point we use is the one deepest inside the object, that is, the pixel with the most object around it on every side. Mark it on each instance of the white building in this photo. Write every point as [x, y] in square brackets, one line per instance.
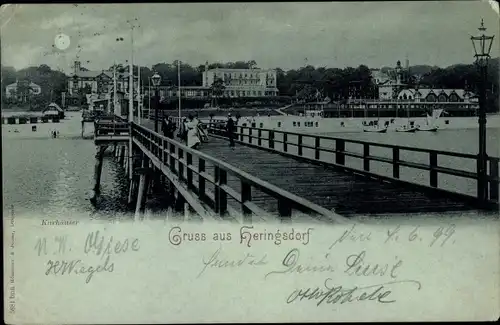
[100, 82]
[16, 91]
[379, 77]
[243, 82]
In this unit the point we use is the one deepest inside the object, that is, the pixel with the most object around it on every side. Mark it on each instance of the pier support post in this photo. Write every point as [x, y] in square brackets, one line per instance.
[130, 190]
[126, 160]
[139, 208]
[97, 173]
[122, 155]
[179, 203]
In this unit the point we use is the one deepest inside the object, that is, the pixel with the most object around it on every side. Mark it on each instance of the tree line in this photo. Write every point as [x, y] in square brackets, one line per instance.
[304, 83]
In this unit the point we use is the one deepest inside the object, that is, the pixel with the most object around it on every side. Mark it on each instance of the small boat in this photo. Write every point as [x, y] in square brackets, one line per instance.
[429, 128]
[374, 126]
[375, 129]
[405, 128]
[431, 122]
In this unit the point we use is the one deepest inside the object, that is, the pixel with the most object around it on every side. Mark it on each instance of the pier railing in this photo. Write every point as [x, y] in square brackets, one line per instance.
[202, 173]
[110, 127]
[431, 170]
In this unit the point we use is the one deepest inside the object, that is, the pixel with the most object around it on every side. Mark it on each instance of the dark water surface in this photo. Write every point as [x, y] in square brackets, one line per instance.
[54, 177]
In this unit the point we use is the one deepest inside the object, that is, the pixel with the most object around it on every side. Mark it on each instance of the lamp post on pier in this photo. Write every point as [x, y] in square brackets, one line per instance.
[482, 47]
[156, 80]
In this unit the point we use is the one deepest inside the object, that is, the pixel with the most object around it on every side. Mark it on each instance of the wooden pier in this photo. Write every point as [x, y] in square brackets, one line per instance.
[286, 176]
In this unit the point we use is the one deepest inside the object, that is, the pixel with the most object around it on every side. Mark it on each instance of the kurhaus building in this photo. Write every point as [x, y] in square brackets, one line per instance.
[243, 82]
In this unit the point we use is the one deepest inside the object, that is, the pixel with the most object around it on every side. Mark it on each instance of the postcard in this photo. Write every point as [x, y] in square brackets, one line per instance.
[250, 162]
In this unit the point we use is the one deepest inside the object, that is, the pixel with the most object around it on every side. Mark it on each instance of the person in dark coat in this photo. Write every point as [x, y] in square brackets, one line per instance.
[168, 128]
[230, 128]
[182, 129]
[164, 126]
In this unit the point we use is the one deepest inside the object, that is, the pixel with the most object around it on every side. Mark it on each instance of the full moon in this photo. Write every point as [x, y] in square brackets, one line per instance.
[62, 41]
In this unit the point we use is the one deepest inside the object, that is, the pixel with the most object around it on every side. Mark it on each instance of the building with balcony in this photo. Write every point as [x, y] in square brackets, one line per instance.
[99, 82]
[415, 102]
[191, 92]
[243, 82]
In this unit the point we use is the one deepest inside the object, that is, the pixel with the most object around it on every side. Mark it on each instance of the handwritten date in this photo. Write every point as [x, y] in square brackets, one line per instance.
[441, 234]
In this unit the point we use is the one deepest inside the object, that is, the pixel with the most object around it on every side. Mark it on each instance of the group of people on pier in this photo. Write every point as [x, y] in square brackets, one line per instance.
[191, 131]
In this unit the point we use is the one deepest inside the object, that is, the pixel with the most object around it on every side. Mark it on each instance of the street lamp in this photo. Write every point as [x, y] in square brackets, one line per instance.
[156, 79]
[482, 46]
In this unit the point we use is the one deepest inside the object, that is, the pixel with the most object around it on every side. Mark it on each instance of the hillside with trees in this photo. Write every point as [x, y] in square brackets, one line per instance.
[303, 83]
[52, 83]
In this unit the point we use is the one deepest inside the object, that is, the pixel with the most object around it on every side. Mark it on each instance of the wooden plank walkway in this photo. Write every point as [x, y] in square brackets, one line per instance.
[348, 194]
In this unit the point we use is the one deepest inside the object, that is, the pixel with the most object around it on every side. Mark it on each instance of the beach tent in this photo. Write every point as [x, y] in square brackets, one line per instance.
[53, 110]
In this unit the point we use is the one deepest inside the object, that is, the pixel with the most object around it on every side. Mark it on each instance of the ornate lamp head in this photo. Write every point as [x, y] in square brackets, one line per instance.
[482, 45]
[156, 79]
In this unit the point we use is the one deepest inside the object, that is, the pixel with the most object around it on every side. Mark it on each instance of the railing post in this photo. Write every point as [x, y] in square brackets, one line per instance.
[339, 148]
[249, 135]
[246, 196]
[271, 139]
[189, 162]
[285, 142]
[201, 179]
[316, 147]
[395, 162]
[299, 144]
[493, 174]
[284, 209]
[180, 166]
[241, 132]
[163, 151]
[366, 157]
[482, 182]
[259, 136]
[220, 194]
[172, 157]
[433, 165]
[153, 144]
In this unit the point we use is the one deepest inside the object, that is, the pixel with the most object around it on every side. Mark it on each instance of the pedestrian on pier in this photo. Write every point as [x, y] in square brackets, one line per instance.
[193, 139]
[168, 128]
[182, 129]
[230, 128]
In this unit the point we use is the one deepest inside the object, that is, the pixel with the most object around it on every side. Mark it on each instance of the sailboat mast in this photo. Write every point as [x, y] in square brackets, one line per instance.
[139, 111]
[114, 90]
[179, 87]
[149, 96]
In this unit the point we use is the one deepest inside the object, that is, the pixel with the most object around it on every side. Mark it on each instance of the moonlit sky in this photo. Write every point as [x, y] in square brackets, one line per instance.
[286, 35]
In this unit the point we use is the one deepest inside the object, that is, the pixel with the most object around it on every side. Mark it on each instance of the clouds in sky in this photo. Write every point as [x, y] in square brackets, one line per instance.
[273, 34]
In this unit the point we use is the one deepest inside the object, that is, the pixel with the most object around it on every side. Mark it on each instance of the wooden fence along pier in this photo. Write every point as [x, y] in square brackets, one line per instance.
[286, 176]
[395, 164]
